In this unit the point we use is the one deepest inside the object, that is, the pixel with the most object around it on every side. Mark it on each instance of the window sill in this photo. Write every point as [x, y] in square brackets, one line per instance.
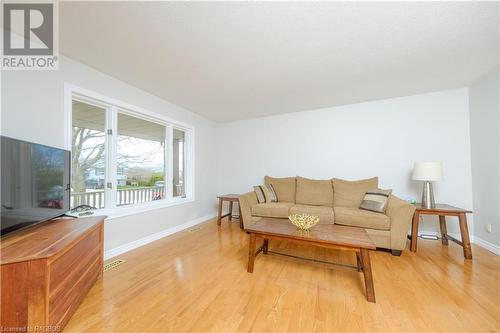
[139, 208]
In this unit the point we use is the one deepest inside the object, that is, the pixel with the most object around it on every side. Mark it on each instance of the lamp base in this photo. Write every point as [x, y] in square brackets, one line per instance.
[428, 196]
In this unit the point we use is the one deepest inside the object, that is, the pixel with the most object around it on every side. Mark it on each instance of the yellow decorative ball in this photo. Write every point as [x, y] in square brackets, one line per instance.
[304, 221]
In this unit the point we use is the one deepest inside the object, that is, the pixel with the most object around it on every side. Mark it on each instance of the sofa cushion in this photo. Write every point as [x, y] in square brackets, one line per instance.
[361, 218]
[284, 188]
[314, 192]
[350, 193]
[272, 209]
[325, 213]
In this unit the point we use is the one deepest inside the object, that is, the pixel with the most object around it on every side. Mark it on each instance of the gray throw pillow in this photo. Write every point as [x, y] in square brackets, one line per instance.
[265, 193]
[376, 200]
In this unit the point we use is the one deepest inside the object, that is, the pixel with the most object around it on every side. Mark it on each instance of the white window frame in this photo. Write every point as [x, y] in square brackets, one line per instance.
[187, 147]
[113, 107]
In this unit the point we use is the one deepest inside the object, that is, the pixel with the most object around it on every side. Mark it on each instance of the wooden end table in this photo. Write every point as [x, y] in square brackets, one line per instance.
[331, 236]
[231, 198]
[443, 210]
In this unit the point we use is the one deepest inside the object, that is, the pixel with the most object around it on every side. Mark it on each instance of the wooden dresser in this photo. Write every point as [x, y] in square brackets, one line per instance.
[47, 270]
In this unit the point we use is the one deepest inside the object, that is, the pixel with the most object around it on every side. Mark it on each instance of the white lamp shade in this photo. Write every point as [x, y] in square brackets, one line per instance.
[430, 171]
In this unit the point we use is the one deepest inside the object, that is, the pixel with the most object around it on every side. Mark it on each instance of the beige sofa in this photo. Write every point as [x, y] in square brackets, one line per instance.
[334, 201]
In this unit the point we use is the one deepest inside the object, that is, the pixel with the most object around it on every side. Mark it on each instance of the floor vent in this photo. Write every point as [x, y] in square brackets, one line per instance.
[113, 264]
[194, 229]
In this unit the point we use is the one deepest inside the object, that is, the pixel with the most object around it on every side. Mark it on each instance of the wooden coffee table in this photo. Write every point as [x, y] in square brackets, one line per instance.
[325, 235]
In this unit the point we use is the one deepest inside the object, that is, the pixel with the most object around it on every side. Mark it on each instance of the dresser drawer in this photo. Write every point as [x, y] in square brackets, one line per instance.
[47, 270]
[63, 305]
[73, 260]
[71, 275]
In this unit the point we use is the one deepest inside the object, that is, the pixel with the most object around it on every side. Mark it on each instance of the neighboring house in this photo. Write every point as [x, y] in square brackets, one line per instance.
[121, 176]
[96, 178]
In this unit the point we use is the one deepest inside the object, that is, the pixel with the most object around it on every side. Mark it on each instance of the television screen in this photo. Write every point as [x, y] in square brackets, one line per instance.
[35, 183]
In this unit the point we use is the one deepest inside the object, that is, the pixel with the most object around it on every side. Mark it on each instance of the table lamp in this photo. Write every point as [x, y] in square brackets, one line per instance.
[428, 172]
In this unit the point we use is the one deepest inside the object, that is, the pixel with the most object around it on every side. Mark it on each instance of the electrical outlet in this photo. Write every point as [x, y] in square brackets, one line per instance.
[488, 227]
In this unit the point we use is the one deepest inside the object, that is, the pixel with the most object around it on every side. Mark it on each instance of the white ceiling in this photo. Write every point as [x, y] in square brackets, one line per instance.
[237, 60]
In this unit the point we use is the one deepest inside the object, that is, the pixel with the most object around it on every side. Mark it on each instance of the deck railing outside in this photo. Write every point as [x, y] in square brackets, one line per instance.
[125, 196]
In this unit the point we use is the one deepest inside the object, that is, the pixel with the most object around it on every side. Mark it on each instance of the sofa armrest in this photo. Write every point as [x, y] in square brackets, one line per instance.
[401, 214]
[246, 202]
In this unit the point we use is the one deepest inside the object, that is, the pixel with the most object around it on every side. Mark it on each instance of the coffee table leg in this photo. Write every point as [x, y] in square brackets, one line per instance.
[358, 262]
[444, 231]
[367, 272]
[251, 252]
[464, 231]
[266, 245]
[414, 232]
[241, 218]
[219, 212]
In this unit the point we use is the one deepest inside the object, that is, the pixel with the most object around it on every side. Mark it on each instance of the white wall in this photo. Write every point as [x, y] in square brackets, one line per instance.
[381, 138]
[485, 148]
[356, 141]
[32, 110]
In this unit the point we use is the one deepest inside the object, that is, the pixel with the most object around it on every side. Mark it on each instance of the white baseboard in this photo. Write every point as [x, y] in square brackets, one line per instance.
[487, 245]
[151, 238]
[475, 240]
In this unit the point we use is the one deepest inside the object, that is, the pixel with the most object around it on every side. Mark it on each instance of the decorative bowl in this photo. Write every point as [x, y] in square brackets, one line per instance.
[303, 221]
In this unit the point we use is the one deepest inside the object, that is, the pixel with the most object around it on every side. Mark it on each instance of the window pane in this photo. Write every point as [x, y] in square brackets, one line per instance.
[140, 161]
[179, 154]
[88, 164]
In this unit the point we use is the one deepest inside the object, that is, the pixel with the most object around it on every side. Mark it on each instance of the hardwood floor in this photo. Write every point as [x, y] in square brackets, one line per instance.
[197, 281]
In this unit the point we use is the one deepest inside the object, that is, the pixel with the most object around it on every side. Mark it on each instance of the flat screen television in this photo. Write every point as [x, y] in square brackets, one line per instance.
[35, 183]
